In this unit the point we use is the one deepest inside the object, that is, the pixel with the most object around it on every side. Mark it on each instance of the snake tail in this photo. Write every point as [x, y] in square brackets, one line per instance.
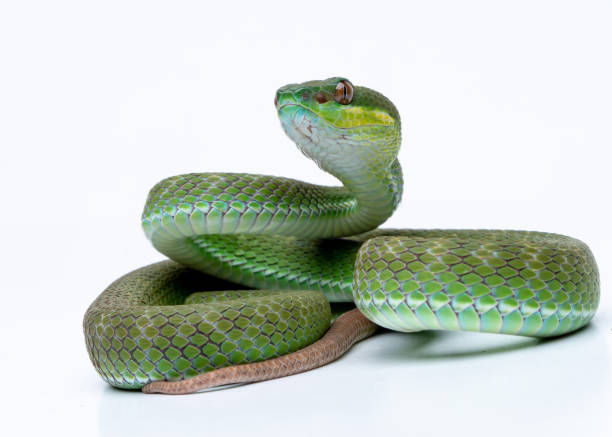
[348, 329]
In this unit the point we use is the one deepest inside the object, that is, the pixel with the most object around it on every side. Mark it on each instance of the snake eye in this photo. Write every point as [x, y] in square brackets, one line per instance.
[344, 92]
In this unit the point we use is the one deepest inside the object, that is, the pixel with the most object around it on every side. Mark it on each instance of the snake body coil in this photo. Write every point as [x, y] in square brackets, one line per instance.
[300, 245]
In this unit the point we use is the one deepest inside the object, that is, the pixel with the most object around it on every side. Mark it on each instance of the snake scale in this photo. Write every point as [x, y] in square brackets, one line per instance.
[284, 249]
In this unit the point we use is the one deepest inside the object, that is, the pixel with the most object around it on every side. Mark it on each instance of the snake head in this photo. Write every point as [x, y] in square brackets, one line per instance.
[342, 127]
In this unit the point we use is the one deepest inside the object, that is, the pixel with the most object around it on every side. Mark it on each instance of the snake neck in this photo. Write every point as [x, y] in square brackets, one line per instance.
[362, 156]
[377, 191]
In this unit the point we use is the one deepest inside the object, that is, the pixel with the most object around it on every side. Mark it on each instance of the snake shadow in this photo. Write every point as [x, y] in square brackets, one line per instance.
[441, 345]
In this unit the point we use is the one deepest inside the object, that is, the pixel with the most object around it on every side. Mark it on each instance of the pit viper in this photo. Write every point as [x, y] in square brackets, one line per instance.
[284, 249]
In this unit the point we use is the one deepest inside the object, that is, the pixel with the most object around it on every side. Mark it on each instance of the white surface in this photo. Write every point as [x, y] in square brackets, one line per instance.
[506, 112]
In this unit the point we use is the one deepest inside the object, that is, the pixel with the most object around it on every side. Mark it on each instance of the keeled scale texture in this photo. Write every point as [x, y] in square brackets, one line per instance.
[150, 325]
[512, 282]
[234, 203]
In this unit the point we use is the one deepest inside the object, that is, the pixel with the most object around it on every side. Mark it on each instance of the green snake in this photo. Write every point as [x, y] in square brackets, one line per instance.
[286, 248]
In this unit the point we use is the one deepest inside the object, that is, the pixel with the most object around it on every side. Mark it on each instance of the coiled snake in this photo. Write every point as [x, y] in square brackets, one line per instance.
[301, 246]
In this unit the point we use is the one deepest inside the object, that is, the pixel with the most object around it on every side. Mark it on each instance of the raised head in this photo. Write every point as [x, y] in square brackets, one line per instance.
[340, 126]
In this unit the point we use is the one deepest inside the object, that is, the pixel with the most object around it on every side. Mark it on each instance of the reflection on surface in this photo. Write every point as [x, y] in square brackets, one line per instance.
[431, 345]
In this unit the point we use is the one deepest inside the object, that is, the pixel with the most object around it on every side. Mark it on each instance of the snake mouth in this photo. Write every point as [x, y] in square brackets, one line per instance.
[310, 122]
[286, 105]
[327, 122]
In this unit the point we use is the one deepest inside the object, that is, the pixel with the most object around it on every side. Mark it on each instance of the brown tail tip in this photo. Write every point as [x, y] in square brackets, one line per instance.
[347, 330]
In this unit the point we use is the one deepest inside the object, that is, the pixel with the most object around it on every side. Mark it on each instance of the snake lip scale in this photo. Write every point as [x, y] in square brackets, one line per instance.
[283, 249]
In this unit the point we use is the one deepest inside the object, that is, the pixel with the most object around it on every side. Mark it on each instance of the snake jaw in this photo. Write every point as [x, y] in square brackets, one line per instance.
[314, 138]
[298, 127]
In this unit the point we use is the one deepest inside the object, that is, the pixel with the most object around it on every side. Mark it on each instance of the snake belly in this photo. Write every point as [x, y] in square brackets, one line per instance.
[283, 249]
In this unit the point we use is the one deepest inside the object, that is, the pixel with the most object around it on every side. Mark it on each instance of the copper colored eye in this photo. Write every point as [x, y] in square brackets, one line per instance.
[344, 92]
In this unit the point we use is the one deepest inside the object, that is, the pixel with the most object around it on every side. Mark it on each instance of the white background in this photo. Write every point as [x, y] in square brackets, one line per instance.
[507, 116]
